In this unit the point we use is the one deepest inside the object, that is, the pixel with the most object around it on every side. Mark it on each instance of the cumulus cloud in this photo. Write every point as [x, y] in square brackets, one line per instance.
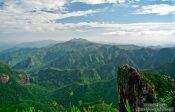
[133, 33]
[142, 33]
[36, 15]
[105, 1]
[42, 21]
[30, 5]
[41, 15]
[132, 28]
[160, 9]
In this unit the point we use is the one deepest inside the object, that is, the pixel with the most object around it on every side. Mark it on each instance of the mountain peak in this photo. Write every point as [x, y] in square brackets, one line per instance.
[78, 40]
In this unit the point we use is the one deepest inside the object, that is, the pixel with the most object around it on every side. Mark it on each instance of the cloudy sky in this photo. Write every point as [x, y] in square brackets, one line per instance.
[148, 22]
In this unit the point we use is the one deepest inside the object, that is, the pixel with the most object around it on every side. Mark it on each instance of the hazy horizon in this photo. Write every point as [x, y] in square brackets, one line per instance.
[13, 44]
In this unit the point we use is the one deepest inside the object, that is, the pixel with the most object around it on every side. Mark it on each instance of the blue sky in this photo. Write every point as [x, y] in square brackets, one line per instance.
[143, 22]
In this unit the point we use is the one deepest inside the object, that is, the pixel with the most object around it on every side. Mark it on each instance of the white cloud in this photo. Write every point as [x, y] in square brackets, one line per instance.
[41, 21]
[127, 27]
[162, 9]
[105, 1]
[126, 30]
[142, 33]
[29, 15]
[134, 33]
[135, 6]
[30, 5]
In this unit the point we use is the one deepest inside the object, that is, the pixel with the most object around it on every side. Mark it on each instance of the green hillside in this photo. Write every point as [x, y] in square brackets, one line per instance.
[15, 95]
[168, 68]
[57, 85]
[77, 71]
[164, 87]
[80, 53]
[87, 93]
[53, 77]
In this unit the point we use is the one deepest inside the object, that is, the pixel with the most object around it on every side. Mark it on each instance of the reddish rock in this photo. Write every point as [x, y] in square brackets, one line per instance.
[134, 87]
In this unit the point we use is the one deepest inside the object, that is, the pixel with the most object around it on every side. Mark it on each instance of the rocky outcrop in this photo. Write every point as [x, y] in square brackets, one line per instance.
[24, 79]
[4, 78]
[134, 88]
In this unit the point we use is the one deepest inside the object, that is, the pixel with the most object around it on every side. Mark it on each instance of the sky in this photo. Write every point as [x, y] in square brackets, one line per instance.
[141, 22]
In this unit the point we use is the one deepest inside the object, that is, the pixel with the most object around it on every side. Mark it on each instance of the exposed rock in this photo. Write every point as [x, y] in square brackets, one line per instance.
[4, 78]
[24, 78]
[135, 88]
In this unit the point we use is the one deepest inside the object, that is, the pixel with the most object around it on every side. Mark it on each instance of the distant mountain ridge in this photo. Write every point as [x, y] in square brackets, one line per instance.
[34, 44]
[168, 68]
[37, 44]
[82, 53]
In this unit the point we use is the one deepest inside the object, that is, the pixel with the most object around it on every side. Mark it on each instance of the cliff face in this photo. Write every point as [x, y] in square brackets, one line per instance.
[135, 88]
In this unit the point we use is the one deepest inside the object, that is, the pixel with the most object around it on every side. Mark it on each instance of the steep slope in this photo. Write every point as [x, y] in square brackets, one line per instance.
[80, 53]
[16, 56]
[56, 78]
[162, 56]
[87, 93]
[164, 87]
[16, 94]
[168, 69]
[25, 64]
[53, 84]
[92, 90]
[11, 91]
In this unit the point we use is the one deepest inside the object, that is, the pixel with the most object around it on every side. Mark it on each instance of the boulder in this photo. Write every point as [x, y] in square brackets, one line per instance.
[24, 78]
[4, 78]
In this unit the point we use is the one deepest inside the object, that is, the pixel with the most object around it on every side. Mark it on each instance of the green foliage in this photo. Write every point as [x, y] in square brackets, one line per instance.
[31, 109]
[102, 107]
[53, 78]
[88, 93]
[71, 94]
[4, 69]
[34, 98]
[91, 108]
[167, 68]
[74, 109]
[127, 106]
[164, 87]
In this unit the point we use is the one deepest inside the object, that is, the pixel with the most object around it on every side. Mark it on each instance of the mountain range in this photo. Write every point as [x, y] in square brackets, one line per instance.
[41, 75]
[80, 53]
